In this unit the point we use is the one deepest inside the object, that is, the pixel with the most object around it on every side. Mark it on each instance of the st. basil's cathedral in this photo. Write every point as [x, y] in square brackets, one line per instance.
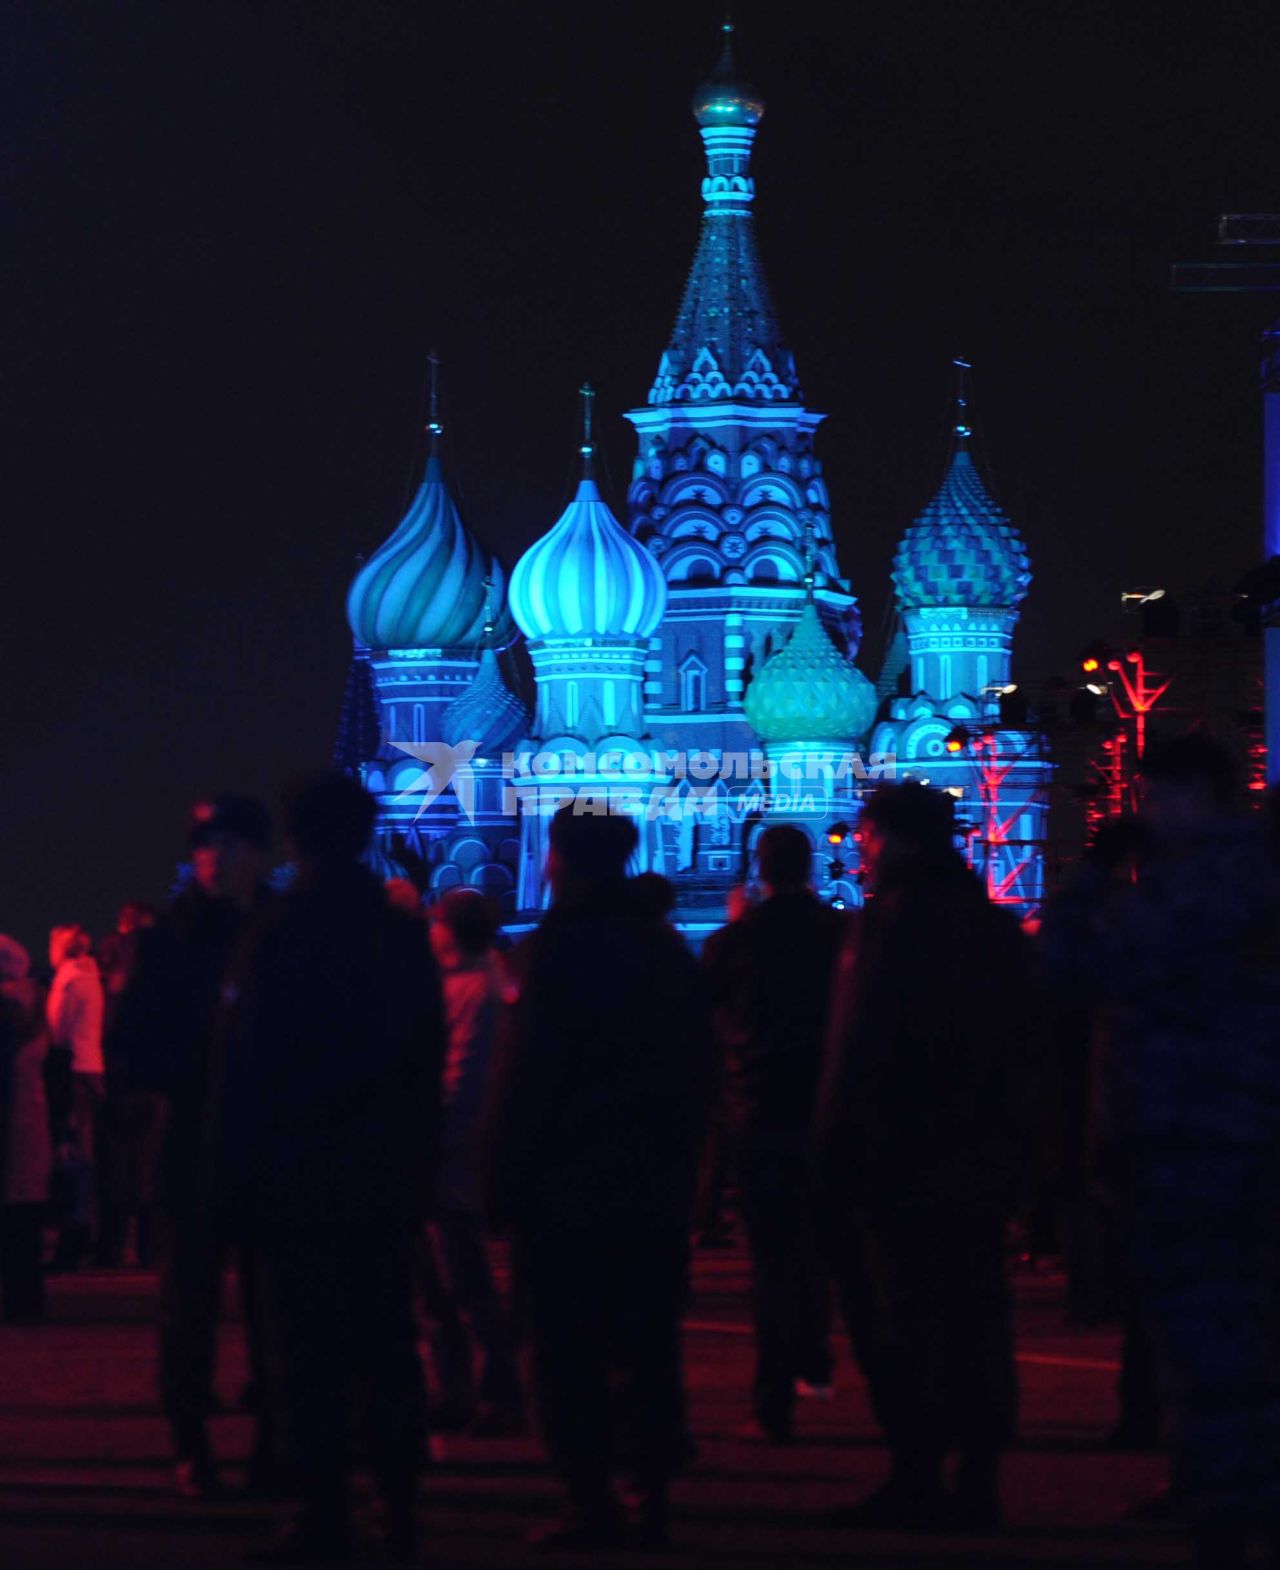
[696, 666]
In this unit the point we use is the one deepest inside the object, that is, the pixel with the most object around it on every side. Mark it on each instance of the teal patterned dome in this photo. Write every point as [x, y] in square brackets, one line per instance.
[425, 587]
[488, 712]
[961, 550]
[809, 691]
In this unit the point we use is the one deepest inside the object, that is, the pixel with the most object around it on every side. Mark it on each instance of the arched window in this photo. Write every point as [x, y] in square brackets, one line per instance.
[944, 676]
[693, 684]
[983, 668]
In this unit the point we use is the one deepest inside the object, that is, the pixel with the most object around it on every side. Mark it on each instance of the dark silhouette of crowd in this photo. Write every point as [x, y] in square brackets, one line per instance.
[349, 1094]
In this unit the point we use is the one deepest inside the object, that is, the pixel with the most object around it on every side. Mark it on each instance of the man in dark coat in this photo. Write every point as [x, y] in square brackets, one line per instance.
[329, 1103]
[159, 1044]
[770, 974]
[924, 1121]
[601, 1100]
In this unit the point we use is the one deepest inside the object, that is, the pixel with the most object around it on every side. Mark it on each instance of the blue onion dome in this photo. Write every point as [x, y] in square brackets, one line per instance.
[725, 98]
[424, 588]
[809, 691]
[587, 577]
[487, 712]
[961, 550]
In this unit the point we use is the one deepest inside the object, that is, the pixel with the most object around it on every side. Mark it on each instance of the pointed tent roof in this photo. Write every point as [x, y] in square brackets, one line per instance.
[726, 342]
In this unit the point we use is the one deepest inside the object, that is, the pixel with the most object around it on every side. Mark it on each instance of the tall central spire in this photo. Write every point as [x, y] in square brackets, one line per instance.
[726, 343]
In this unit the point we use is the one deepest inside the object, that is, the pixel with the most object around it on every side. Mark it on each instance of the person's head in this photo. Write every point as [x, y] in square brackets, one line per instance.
[15, 962]
[655, 894]
[588, 848]
[904, 822]
[135, 914]
[66, 943]
[230, 840]
[329, 818]
[1187, 781]
[784, 855]
[463, 927]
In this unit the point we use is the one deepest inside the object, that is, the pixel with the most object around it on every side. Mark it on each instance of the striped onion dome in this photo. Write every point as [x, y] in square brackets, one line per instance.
[424, 588]
[809, 691]
[487, 712]
[587, 577]
[961, 550]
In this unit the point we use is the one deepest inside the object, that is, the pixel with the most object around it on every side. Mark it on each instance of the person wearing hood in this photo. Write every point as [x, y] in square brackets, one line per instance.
[26, 1152]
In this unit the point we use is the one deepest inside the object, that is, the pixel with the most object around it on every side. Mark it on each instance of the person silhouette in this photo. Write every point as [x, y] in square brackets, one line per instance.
[594, 1134]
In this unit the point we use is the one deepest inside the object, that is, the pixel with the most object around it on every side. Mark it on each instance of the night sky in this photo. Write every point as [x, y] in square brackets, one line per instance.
[233, 233]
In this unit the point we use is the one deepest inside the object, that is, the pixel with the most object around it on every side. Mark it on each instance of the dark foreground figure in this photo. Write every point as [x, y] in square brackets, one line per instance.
[160, 1045]
[600, 1110]
[1186, 961]
[770, 976]
[923, 1128]
[331, 1072]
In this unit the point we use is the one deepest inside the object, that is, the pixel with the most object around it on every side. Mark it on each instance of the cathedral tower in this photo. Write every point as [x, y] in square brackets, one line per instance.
[960, 575]
[726, 491]
[588, 598]
[428, 614]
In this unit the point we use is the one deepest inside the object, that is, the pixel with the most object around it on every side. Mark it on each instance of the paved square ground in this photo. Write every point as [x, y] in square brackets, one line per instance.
[84, 1479]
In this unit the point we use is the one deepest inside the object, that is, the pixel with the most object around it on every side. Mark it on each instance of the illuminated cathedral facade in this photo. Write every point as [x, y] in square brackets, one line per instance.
[695, 666]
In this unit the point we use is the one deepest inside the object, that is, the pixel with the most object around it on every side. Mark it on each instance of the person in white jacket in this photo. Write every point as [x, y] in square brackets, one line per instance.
[75, 1027]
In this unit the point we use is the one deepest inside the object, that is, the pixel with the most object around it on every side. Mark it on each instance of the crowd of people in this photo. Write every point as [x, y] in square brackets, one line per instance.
[350, 1095]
